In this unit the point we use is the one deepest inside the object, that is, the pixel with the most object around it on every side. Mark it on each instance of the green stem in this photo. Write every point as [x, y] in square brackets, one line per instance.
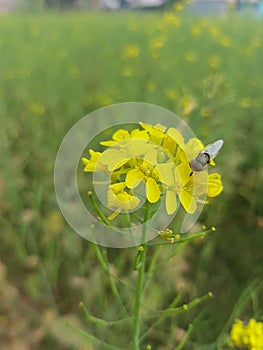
[139, 285]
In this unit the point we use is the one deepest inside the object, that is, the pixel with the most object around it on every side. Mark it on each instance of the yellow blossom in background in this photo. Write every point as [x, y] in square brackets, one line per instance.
[190, 56]
[127, 72]
[225, 41]
[214, 31]
[105, 100]
[157, 43]
[196, 30]
[151, 86]
[214, 61]
[244, 102]
[131, 51]
[36, 108]
[248, 337]
[171, 94]
[188, 104]
[178, 6]
[172, 19]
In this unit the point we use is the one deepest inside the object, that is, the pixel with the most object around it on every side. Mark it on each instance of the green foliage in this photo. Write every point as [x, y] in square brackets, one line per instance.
[57, 68]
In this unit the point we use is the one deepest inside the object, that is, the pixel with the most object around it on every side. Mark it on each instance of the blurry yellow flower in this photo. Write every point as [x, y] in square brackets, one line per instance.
[36, 108]
[127, 72]
[171, 18]
[225, 41]
[188, 104]
[214, 31]
[190, 56]
[196, 30]
[178, 6]
[150, 86]
[214, 61]
[171, 94]
[131, 51]
[105, 100]
[249, 337]
[157, 43]
[244, 102]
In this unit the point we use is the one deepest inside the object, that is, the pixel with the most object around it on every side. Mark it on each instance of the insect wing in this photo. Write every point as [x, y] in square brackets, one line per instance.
[213, 148]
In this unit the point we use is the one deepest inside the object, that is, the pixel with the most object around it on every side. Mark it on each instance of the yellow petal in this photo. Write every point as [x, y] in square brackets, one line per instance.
[85, 161]
[133, 178]
[184, 172]
[152, 190]
[151, 156]
[215, 186]
[170, 202]
[176, 136]
[193, 147]
[165, 172]
[188, 202]
[113, 158]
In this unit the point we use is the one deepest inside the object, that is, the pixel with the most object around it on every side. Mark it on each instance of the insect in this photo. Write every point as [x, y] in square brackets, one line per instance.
[206, 156]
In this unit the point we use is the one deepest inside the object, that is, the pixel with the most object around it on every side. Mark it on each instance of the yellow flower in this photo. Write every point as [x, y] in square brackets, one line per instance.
[248, 337]
[128, 150]
[131, 51]
[214, 61]
[121, 135]
[196, 30]
[171, 94]
[146, 172]
[225, 41]
[190, 56]
[93, 163]
[171, 18]
[37, 108]
[120, 199]
[215, 186]
[155, 132]
[157, 43]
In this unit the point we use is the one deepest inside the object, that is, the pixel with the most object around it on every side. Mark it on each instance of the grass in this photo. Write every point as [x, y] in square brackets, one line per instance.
[57, 68]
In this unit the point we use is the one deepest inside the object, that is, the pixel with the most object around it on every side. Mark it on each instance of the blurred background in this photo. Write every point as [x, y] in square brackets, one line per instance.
[61, 60]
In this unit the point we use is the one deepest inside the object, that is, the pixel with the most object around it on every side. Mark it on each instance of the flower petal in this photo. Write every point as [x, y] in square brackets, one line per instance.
[170, 202]
[152, 190]
[165, 171]
[188, 202]
[134, 177]
[215, 186]
[113, 158]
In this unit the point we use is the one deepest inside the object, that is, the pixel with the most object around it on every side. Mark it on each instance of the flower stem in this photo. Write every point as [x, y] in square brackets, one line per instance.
[140, 283]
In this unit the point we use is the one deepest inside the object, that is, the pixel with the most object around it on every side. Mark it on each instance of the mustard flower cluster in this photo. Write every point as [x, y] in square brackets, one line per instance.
[159, 158]
[249, 337]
